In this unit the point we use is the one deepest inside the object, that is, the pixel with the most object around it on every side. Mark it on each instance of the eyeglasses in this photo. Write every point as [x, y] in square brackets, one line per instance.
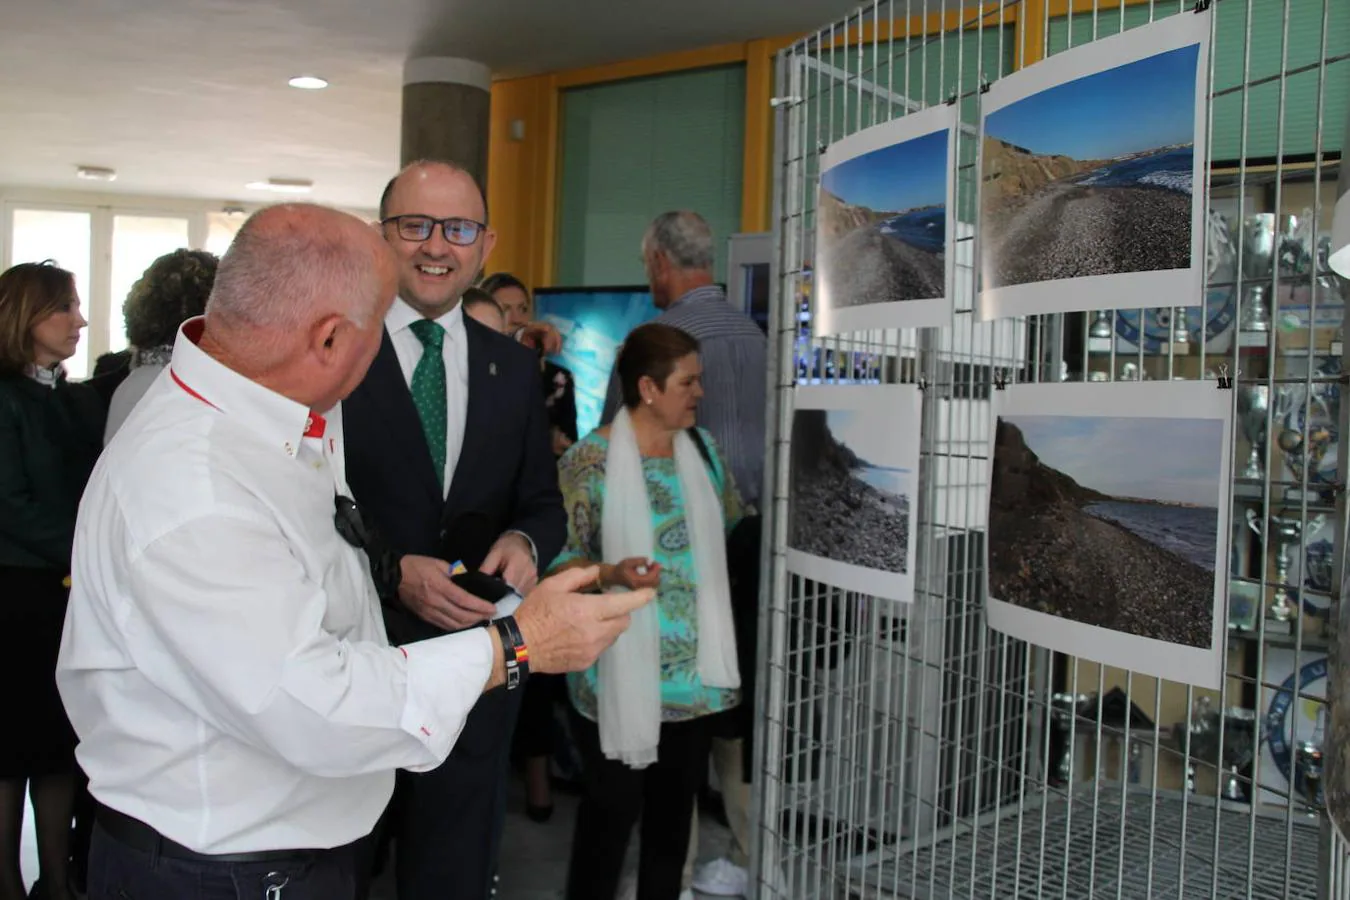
[457, 231]
[384, 563]
[349, 523]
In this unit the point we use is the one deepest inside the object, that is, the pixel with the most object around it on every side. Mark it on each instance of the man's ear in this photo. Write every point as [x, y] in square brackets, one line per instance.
[325, 334]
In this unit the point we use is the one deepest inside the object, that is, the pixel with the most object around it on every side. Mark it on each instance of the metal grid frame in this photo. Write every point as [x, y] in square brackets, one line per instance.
[907, 752]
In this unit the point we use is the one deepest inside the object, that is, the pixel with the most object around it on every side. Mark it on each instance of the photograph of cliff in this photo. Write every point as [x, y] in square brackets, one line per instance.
[1109, 521]
[881, 224]
[1092, 176]
[846, 507]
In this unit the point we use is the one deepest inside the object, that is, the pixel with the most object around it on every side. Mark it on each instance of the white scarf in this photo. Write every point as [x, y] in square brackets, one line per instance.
[629, 675]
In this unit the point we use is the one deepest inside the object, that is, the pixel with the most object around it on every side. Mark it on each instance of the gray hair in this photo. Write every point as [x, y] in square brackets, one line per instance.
[682, 237]
[282, 272]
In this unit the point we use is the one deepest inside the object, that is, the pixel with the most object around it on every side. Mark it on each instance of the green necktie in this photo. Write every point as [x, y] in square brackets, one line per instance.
[428, 391]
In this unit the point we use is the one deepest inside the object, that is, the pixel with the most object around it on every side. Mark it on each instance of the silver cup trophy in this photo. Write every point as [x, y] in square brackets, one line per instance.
[1253, 402]
[1258, 259]
[1289, 533]
[1101, 325]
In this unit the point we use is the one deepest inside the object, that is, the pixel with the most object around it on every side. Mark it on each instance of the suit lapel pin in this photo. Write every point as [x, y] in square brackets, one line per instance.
[492, 368]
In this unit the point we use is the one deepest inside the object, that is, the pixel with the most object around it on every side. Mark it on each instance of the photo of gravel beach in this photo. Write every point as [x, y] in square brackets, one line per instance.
[881, 225]
[845, 507]
[852, 477]
[1092, 176]
[1109, 521]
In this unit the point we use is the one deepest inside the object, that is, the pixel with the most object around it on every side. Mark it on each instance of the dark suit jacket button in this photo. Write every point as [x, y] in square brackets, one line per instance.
[443, 533]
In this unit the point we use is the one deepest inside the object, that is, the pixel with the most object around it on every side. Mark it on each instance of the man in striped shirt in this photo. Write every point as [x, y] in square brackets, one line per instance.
[677, 251]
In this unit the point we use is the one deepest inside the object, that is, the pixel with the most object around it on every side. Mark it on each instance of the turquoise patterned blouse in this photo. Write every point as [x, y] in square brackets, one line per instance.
[582, 480]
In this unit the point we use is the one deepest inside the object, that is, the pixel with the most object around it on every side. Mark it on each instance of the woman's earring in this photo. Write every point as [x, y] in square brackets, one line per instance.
[649, 401]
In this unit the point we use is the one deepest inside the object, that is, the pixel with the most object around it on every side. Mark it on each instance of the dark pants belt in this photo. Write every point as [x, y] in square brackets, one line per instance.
[139, 836]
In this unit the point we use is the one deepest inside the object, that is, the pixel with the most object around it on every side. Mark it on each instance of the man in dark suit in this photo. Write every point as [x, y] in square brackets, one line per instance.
[448, 454]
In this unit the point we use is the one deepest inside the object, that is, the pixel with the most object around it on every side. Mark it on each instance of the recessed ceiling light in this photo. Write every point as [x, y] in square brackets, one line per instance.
[308, 83]
[95, 173]
[282, 185]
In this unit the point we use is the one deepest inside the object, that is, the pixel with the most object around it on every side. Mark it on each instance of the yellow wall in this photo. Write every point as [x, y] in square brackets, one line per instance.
[523, 175]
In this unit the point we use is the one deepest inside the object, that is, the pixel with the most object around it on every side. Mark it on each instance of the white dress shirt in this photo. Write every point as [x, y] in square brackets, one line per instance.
[455, 350]
[224, 662]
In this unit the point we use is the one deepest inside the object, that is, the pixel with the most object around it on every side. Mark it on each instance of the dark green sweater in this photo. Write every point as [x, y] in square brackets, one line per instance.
[49, 441]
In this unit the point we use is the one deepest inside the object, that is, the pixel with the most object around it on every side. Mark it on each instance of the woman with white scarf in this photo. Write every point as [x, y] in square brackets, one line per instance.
[650, 499]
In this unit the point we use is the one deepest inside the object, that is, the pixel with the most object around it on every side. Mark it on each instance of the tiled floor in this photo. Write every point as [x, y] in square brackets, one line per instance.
[534, 857]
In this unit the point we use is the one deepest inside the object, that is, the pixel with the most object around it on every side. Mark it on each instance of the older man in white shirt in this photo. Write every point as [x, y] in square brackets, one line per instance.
[239, 708]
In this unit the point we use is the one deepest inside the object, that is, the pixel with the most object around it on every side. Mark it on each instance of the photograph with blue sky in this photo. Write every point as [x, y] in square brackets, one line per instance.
[855, 430]
[901, 177]
[1132, 108]
[1167, 460]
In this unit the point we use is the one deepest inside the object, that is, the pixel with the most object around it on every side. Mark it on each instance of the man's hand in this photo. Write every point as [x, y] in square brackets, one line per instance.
[567, 631]
[540, 336]
[427, 590]
[512, 560]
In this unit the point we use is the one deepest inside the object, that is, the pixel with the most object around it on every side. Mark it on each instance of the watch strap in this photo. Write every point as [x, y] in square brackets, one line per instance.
[514, 651]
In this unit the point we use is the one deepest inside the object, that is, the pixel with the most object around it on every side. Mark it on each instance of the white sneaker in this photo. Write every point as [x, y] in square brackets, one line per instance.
[721, 878]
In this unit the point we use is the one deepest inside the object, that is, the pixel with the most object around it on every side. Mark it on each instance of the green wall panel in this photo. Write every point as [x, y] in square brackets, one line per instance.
[634, 149]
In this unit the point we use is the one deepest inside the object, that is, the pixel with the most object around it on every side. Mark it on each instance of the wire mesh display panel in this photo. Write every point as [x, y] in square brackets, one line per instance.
[909, 750]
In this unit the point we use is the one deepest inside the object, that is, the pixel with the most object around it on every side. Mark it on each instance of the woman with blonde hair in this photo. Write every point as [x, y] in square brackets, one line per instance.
[50, 433]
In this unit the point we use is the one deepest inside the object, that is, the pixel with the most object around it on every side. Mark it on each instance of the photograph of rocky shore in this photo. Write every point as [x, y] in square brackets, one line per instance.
[852, 480]
[1112, 522]
[881, 226]
[1090, 175]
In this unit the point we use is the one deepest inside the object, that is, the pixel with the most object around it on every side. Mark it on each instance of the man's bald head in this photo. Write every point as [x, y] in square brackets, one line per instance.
[298, 281]
[434, 270]
[292, 263]
[422, 168]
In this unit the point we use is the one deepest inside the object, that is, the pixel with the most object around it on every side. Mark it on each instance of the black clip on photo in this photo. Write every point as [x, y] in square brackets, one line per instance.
[1225, 380]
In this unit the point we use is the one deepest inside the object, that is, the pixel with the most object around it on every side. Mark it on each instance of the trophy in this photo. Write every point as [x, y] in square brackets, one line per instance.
[1253, 402]
[1289, 533]
[1101, 325]
[1180, 331]
[1255, 313]
[1308, 763]
[1129, 372]
[1258, 258]
[1239, 749]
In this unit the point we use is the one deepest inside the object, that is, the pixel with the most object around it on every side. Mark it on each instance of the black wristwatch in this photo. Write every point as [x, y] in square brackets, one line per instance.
[516, 654]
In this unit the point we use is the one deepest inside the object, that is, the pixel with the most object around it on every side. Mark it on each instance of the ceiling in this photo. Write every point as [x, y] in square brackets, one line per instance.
[188, 98]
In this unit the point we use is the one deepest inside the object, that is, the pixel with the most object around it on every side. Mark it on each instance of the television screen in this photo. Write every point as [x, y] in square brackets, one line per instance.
[593, 322]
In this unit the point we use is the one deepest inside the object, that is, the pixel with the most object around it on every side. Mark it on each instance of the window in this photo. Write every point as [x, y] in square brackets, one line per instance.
[221, 228]
[63, 236]
[137, 242]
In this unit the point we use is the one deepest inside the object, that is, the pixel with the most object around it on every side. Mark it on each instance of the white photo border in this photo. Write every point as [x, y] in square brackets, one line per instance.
[1200, 666]
[898, 406]
[923, 313]
[1122, 290]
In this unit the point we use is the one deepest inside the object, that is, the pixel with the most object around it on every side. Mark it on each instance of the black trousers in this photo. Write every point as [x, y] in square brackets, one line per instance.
[662, 795]
[120, 872]
[534, 731]
[447, 823]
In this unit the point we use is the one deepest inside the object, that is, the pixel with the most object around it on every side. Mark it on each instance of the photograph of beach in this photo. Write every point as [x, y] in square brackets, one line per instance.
[853, 473]
[1088, 163]
[1107, 524]
[882, 229]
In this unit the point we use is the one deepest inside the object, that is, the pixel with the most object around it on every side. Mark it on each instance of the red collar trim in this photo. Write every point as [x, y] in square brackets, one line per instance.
[189, 391]
[315, 425]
